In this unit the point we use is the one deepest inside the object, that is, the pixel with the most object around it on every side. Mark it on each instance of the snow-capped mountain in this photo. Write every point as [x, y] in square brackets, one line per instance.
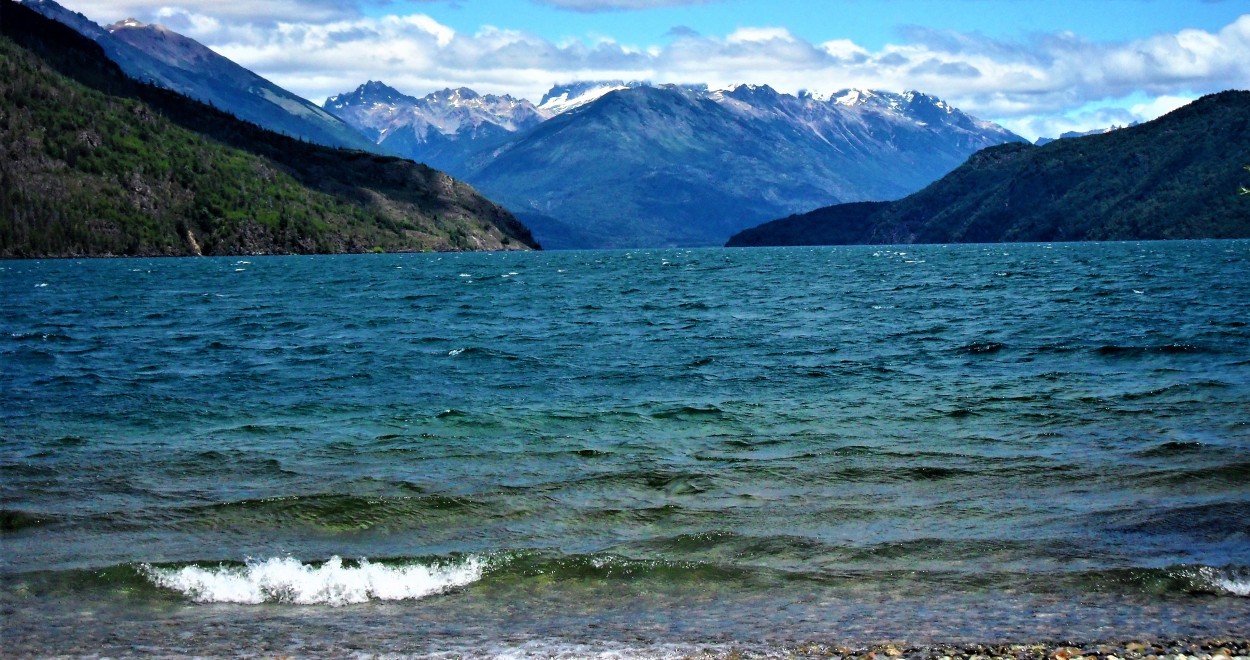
[562, 98]
[164, 57]
[623, 164]
[685, 165]
[439, 128]
[850, 115]
[1076, 134]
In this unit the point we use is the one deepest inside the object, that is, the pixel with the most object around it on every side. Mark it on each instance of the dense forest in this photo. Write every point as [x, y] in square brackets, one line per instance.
[95, 163]
[1173, 178]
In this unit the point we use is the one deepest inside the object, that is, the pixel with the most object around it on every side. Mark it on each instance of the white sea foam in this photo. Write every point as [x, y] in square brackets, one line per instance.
[1238, 585]
[1235, 587]
[287, 580]
[553, 650]
[1228, 580]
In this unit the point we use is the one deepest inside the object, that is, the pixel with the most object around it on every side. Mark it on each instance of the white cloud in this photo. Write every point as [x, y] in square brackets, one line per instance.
[1036, 86]
[269, 11]
[1159, 106]
[1096, 116]
[618, 5]
[759, 34]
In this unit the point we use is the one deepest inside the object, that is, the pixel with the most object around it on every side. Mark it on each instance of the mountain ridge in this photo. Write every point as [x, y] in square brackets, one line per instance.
[441, 128]
[643, 165]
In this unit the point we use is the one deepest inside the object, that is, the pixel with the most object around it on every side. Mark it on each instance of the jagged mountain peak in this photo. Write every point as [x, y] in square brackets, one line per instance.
[564, 97]
[371, 93]
[128, 23]
[457, 94]
[1076, 134]
[751, 88]
[420, 127]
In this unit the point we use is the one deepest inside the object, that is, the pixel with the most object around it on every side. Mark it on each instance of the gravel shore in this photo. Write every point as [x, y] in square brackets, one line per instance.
[1181, 649]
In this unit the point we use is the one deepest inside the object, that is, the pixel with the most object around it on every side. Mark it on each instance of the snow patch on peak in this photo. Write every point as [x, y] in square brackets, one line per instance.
[129, 23]
[382, 111]
[562, 98]
[852, 97]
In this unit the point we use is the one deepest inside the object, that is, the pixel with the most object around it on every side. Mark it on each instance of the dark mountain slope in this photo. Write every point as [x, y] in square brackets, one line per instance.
[1172, 178]
[92, 162]
[680, 166]
[171, 60]
[646, 166]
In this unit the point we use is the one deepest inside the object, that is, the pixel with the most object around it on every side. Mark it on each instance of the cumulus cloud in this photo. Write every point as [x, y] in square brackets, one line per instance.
[267, 12]
[1042, 85]
[618, 5]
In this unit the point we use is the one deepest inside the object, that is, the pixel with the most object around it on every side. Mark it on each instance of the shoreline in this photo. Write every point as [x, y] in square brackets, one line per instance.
[1218, 648]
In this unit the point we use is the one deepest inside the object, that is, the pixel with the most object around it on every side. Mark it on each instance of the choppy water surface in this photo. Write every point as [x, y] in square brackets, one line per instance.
[648, 449]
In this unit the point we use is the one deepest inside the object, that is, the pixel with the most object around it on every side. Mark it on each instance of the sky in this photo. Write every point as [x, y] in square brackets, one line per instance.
[1038, 67]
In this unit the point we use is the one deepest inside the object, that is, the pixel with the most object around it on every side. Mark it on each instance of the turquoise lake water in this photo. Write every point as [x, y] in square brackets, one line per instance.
[648, 450]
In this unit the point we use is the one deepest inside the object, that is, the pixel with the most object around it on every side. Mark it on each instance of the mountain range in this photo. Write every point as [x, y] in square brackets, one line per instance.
[152, 53]
[93, 162]
[601, 163]
[598, 164]
[1074, 134]
[1176, 177]
[629, 164]
[441, 129]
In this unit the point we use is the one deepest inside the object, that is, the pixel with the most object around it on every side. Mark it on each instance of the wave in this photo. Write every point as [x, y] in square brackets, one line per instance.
[488, 354]
[13, 520]
[1171, 448]
[1174, 348]
[1222, 580]
[1195, 579]
[981, 348]
[336, 583]
[690, 412]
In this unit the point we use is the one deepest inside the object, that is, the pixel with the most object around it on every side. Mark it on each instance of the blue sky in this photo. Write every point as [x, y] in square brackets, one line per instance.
[1039, 67]
[870, 23]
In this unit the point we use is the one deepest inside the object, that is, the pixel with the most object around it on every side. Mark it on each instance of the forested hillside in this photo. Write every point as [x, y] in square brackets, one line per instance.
[1173, 178]
[95, 163]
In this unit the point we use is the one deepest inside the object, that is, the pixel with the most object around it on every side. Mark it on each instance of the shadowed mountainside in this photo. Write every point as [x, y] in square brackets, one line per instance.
[152, 53]
[95, 163]
[1176, 177]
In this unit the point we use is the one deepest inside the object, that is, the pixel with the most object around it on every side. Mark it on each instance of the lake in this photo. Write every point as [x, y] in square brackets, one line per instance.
[643, 451]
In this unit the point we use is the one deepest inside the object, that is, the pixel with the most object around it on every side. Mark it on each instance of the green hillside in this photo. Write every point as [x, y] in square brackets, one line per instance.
[1173, 178]
[94, 163]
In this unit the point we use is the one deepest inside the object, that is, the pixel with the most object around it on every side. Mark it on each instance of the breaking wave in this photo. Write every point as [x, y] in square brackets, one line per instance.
[287, 580]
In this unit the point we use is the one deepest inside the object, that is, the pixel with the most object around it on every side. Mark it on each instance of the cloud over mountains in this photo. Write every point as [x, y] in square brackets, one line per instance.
[1045, 82]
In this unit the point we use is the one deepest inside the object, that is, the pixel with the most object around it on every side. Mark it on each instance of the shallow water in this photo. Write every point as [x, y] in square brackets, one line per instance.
[647, 448]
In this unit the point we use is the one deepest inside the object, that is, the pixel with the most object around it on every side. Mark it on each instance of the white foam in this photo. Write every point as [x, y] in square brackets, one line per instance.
[1224, 579]
[1237, 587]
[287, 580]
